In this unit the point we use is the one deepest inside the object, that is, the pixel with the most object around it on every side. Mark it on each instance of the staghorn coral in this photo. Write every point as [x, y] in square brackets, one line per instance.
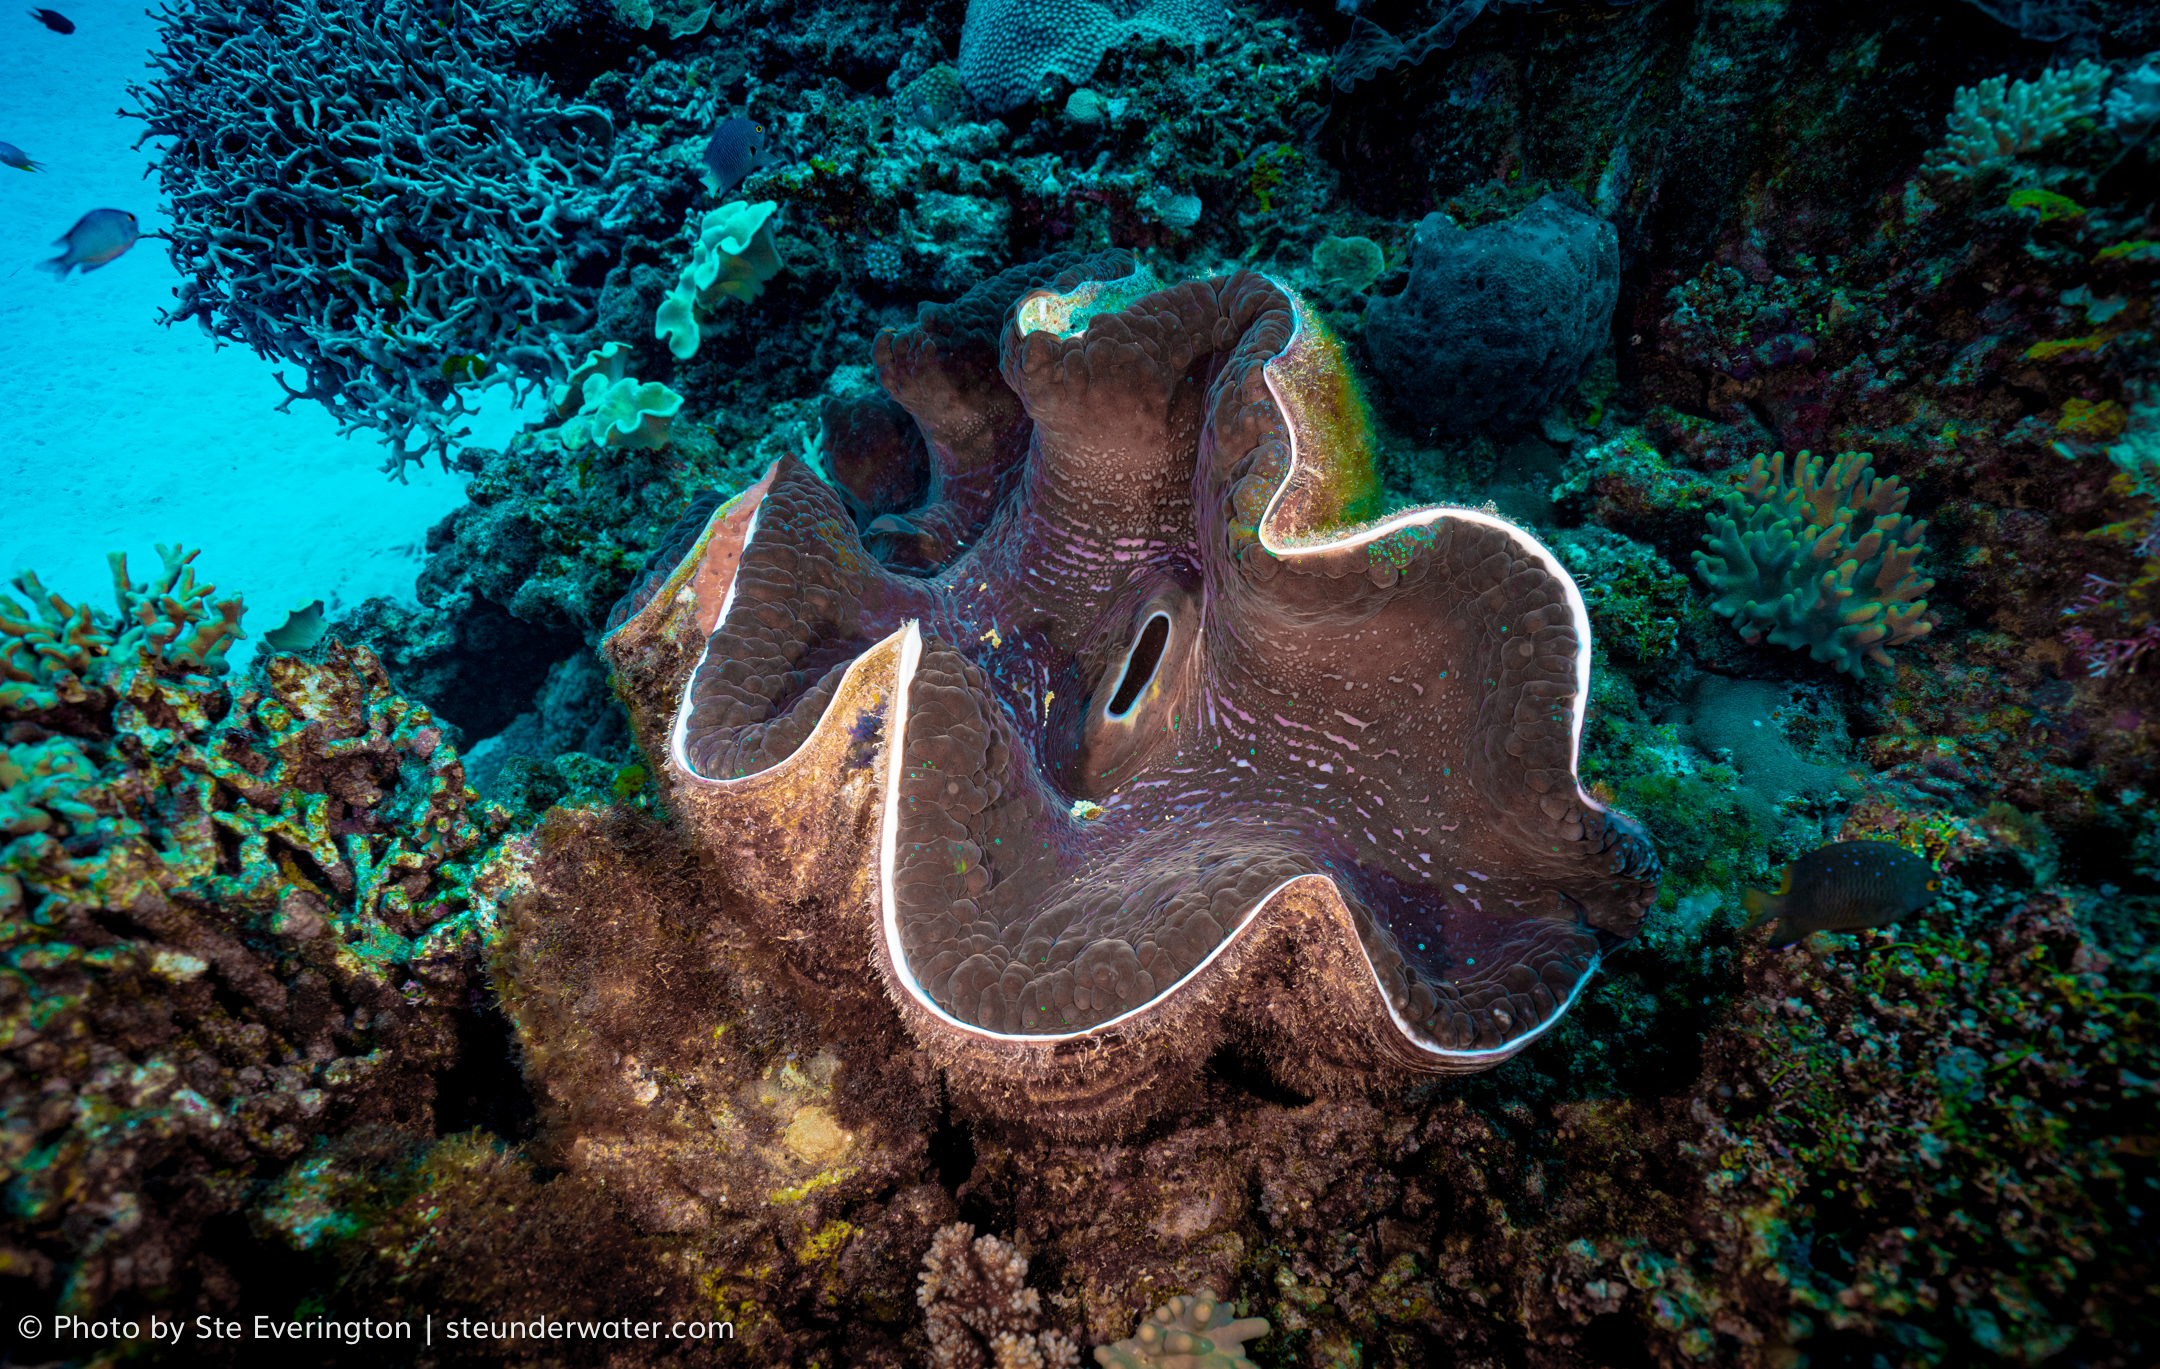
[1998, 120]
[233, 919]
[1195, 1331]
[363, 190]
[1824, 563]
[978, 1310]
[1043, 872]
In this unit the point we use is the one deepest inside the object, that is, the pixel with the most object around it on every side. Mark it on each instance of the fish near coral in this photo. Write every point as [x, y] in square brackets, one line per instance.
[738, 147]
[96, 238]
[1843, 887]
[465, 369]
[11, 155]
[54, 20]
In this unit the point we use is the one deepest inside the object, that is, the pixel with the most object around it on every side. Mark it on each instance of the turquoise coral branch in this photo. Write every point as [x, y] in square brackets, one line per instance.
[1823, 563]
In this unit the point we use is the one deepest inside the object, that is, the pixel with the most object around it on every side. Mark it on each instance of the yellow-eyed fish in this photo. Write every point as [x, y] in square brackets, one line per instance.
[1843, 887]
[737, 149]
[96, 238]
[11, 155]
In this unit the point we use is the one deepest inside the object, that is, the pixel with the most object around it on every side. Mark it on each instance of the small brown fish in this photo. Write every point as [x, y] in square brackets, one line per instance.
[464, 369]
[1843, 887]
[54, 20]
[96, 238]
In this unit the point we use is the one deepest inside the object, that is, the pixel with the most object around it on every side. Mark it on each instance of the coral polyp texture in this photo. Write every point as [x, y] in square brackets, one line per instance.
[1825, 562]
[1181, 741]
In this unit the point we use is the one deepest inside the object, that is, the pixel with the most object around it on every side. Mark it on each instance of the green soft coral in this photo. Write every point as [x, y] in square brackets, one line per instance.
[622, 413]
[733, 258]
[1823, 563]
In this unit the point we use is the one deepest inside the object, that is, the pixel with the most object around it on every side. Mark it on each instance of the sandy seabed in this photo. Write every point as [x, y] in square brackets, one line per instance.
[123, 433]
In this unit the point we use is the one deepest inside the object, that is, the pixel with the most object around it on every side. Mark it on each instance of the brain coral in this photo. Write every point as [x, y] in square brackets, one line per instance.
[1180, 740]
[1497, 322]
[1788, 564]
[1008, 48]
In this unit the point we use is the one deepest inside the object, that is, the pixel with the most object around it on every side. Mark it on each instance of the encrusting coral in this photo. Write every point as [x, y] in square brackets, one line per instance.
[1823, 563]
[1317, 740]
[233, 919]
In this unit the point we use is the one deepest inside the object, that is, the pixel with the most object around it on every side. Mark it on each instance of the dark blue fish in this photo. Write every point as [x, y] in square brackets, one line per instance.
[1843, 887]
[11, 155]
[96, 238]
[737, 149]
[54, 20]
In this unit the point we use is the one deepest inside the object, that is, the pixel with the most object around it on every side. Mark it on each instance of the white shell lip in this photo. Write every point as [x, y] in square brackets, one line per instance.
[1578, 611]
[910, 645]
[903, 974]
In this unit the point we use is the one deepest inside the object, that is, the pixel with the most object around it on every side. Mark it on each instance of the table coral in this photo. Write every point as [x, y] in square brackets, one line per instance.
[361, 202]
[233, 919]
[1141, 740]
[1824, 562]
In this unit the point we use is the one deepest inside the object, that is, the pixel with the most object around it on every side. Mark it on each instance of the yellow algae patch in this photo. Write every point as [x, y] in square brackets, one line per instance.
[795, 1193]
[814, 1137]
[1334, 481]
[830, 1239]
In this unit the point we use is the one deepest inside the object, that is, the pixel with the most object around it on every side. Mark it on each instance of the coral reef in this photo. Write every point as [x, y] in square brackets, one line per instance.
[1026, 902]
[236, 918]
[1823, 563]
[1497, 321]
[1898, 231]
[328, 214]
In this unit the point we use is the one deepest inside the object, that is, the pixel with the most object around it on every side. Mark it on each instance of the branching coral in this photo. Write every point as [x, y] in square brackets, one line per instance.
[2000, 119]
[364, 190]
[978, 1308]
[1200, 1331]
[230, 921]
[1824, 563]
[55, 652]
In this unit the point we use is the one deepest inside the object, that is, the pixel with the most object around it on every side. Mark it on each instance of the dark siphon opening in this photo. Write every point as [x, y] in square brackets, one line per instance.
[1140, 666]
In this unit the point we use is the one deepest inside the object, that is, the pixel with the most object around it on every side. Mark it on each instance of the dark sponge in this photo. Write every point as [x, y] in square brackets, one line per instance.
[1499, 321]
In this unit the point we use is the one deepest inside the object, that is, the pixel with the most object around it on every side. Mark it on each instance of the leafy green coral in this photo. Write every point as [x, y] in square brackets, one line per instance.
[733, 258]
[1823, 563]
